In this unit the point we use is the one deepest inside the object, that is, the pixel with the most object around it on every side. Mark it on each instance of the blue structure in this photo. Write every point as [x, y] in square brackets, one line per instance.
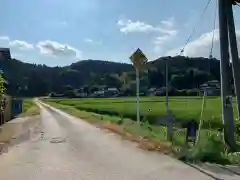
[16, 107]
[192, 127]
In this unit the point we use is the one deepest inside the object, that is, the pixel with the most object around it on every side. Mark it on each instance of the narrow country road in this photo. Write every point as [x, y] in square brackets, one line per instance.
[71, 149]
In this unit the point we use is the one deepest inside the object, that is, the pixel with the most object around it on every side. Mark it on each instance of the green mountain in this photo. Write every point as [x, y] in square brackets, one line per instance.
[26, 79]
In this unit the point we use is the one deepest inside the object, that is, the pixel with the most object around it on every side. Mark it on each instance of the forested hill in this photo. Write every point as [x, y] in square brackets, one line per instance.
[26, 79]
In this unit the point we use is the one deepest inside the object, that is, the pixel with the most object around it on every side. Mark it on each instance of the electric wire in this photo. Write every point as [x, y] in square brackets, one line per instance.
[194, 29]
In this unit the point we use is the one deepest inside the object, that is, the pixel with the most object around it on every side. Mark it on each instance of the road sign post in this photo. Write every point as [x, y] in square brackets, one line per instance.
[139, 61]
[137, 95]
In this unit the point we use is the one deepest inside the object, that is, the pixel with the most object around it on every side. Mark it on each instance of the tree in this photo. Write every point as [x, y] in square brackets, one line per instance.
[26, 79]
[124, 78]
[156, 78]
[179, 81]
[36, 86]
[144, 81]
[67, 88]
[112, 80]
[200, 77]
[2, 82]
[93, 89]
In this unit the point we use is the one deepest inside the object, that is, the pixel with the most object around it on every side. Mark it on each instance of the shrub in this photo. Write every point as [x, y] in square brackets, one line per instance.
[238, 128]
[234, 158]
[181, 92]
[192, 92]
[210, 149]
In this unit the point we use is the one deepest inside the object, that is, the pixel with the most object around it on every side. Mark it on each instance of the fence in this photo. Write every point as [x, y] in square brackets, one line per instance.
[9, 108]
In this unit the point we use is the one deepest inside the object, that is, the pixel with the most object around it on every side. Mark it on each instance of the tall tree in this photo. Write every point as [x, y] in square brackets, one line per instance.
[2, 82]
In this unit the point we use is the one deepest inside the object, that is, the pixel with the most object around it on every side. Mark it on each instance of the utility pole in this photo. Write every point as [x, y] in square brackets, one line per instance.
[227, 110]
[167, 88]
[234, 53]
[170, 123]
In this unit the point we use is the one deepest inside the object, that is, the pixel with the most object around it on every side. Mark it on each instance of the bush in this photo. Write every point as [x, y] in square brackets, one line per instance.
[234, 158]
[181, 92]
[192, 92]
[210, 149]
[238, 128]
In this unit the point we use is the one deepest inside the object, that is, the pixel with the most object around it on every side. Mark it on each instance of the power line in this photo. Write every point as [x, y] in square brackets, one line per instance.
[194, 29]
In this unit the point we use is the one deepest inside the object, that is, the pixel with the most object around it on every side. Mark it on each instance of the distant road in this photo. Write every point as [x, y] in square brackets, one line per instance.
[71, 149]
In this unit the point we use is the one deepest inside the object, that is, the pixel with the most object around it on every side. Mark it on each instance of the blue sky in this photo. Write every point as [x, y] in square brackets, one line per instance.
[60, 32]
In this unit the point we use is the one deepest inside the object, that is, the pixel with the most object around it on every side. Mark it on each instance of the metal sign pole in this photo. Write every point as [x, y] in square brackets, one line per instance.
[139, 60]
[137, 95]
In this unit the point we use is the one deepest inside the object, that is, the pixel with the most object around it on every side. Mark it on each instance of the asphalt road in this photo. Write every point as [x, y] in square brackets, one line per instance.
[70, 149]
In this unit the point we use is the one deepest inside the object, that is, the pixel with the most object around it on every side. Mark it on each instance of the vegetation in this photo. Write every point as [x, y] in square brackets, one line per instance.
[2, 82]
[184, 73]
[183, 108]
[185, 76]
[151, 137]
[29, 108]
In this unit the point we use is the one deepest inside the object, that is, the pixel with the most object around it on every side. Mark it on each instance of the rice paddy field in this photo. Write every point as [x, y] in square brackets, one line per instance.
[183, 108]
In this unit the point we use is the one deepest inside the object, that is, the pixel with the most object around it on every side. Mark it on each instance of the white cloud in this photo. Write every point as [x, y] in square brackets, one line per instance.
[168, 23]
[161, 39]
[165, 31]
[168, 32]
[56, 49]
[129, 26]
[90, 41]
[199, 47]
[18, 44]
[5, 38]
[22, 45]
[202, 45]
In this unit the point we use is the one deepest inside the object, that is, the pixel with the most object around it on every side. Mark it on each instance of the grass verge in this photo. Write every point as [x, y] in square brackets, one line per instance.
[29, 108]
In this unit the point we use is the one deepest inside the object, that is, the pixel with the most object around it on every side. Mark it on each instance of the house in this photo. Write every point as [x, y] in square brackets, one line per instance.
[98, 94]
[152, 91]
[57, 95]
[107, 92]
[5, 53]
[211, 88]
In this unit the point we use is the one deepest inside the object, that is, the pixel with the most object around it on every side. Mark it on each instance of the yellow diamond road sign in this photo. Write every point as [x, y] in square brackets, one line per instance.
[138, 59]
